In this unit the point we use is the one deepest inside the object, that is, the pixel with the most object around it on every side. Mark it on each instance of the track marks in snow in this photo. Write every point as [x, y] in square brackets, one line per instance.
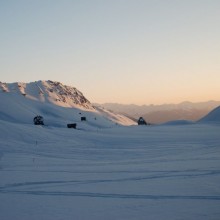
[114, 196]
[57, 183]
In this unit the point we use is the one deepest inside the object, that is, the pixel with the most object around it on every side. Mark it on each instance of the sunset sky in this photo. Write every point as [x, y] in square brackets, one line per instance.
[124, 51]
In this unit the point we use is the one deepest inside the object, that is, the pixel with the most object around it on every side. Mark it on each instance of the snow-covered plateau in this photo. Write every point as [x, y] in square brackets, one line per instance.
[103, 170]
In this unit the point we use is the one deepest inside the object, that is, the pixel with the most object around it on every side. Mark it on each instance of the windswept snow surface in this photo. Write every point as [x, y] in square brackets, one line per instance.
[178, 122]
[132, 173]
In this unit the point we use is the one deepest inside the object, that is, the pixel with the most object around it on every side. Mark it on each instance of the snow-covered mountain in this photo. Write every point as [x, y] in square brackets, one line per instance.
[49, 91]
[57, 103]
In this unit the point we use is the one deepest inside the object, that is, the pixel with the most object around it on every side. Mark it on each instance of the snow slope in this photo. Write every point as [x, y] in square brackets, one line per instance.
[213, 116]
[57, 103]
[136, 172]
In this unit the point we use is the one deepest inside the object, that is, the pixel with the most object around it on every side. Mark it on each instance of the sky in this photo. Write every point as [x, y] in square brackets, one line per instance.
[121, 51]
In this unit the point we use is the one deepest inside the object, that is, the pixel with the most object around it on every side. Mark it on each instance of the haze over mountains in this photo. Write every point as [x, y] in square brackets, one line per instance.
[163, 113]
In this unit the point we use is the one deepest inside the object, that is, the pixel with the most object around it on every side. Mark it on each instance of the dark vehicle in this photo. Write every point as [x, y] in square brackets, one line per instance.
[71, 125]
[38, 120]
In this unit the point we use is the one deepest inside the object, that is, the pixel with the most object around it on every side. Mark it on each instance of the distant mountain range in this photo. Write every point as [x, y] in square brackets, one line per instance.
[163, 113]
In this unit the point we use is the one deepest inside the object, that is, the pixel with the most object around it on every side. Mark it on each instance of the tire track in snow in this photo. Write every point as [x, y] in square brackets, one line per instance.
[114, 196]
[72, 182]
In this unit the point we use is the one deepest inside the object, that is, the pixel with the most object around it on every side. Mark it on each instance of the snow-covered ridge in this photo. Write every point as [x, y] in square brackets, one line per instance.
[57, 103]
[49, 91]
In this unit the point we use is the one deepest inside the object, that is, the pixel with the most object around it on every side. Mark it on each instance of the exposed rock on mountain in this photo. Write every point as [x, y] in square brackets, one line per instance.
[57, 103]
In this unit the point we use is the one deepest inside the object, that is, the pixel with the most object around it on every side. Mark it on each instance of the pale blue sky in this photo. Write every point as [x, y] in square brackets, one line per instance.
[125, 51]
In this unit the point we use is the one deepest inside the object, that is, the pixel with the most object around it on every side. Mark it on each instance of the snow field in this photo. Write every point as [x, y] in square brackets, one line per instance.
[156, 172]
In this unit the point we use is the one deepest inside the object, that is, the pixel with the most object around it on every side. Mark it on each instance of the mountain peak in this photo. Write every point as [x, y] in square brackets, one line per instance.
[49, 91]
